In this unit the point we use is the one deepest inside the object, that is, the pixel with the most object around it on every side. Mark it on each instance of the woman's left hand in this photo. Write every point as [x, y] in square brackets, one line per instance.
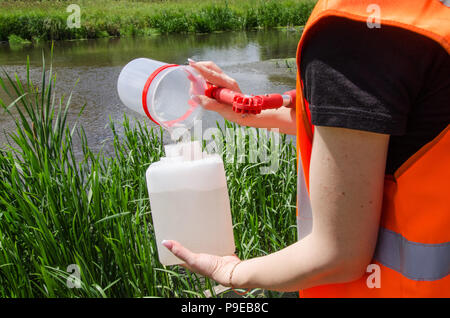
[216, 267]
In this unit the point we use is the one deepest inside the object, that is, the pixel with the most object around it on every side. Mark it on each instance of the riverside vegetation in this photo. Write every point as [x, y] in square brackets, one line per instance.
[47, 20]
[57, 211]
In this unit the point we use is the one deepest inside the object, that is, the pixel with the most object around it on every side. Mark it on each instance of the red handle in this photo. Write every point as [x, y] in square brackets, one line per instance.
[246, 104]
[224, 95]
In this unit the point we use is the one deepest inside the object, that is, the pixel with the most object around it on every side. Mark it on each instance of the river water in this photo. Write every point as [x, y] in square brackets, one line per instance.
[245, 56]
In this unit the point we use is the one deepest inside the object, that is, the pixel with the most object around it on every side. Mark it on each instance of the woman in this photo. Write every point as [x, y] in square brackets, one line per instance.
[373, 211]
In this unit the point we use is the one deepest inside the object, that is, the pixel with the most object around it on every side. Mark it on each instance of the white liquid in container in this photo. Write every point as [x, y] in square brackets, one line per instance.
[190, 203]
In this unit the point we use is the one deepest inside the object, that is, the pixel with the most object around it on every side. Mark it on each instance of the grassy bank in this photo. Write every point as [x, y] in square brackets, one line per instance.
[56, 211]
[47, 20]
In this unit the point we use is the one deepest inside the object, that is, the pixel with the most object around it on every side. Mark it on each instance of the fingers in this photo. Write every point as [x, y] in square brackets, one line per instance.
[215, 267]
[226, 111]
[179, 251]
[213, 74]
[207, 64]
[210, 103]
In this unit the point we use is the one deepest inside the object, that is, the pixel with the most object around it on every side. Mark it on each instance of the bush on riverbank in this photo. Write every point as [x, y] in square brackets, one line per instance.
[47, 20]
[57, 211]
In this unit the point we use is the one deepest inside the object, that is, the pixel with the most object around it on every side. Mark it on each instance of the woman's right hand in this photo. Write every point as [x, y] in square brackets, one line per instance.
[214, 75]
[282, 120]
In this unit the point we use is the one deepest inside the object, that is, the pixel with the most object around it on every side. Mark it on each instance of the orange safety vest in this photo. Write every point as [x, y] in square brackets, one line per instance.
[413, 248]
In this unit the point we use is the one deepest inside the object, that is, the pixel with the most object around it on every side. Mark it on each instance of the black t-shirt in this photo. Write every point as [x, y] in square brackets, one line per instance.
[387, 80]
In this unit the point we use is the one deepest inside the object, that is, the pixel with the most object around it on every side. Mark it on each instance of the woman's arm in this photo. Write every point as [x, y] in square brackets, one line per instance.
[346, 187]
[282, 119]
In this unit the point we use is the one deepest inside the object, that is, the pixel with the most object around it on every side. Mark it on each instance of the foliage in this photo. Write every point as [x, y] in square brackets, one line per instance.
[47, 19]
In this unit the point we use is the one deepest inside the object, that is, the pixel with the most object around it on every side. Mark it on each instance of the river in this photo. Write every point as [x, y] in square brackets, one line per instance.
[245, 56]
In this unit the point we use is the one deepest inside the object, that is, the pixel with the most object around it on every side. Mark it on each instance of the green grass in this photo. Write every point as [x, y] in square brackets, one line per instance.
[57, 210]
[46, 20]
[17, 40]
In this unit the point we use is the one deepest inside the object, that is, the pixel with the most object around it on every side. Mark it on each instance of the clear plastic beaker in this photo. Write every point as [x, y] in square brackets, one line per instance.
[163, 92]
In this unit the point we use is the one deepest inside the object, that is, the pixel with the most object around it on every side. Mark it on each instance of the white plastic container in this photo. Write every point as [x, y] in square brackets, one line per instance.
[161, 91]
[189, 202]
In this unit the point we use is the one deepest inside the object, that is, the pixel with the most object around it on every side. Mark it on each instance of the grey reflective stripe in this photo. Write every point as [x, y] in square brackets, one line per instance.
[416, 261]
[445, 2]
[304, 218]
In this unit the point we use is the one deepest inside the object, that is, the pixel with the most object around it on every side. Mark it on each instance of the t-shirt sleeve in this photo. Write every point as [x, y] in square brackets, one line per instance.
[358, 78]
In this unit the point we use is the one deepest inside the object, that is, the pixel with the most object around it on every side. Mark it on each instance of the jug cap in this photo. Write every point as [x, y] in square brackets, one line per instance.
[188, 151]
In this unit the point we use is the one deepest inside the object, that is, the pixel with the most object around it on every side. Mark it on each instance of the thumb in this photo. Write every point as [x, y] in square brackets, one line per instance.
[179, 251]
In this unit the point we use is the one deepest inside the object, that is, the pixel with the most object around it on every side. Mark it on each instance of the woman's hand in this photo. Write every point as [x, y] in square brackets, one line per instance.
[216, 267]
[282, 120]
[214, 74]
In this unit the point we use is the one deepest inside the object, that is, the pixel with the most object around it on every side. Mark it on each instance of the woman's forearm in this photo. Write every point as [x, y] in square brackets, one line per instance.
[302, 265]
[282, 119]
